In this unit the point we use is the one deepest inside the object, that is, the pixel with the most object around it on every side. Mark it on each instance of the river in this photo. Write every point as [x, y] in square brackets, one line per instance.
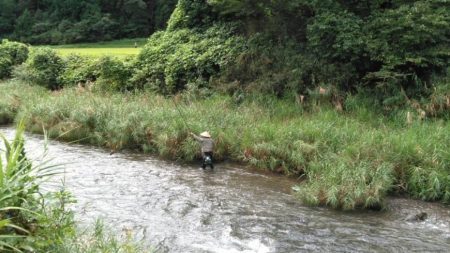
[181, 208]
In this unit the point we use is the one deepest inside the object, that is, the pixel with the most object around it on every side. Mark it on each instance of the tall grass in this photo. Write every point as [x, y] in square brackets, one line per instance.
[20, 196]
[14, 174]
[97, 239]
[351, 159]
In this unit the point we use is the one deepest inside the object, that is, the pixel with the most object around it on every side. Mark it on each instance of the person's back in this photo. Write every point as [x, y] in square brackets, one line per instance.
[207, 144]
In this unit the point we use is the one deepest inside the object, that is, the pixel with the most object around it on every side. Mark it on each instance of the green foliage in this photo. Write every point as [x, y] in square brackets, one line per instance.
[10, 102]
[347, 185]
[337, 37]
[191, 14]
[22, 214]
[411, 43]
[11, 54]
[17, 51]
[57, 22]
[114, 74]
[78, 70]
[44, 68]
[5, 65]
[15, 173]
[8, 110]
[390, 48]
[268, 67]
[173, 60]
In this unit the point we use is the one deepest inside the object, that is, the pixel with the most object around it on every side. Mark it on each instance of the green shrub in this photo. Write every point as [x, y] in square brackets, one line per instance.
[114, 74]
[5, 65]
[267, 66]
[171, 60]
[79, 70]
[410, 43]
[44, 68]
[11, 54]
[17, 51]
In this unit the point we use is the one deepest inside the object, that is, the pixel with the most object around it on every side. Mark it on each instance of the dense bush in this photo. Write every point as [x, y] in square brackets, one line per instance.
[79, 70]
[392, 49]
[410, 43]
[104, 73]
[172, 60]
[44, 68]
[114, 74]
[17, 51]
[11, 54]
[5, 65]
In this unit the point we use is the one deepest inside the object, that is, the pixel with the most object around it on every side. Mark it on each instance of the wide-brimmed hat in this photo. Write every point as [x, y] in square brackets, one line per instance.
[205, 134]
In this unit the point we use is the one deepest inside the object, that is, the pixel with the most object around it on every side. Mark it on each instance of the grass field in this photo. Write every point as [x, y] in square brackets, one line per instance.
[120, 48]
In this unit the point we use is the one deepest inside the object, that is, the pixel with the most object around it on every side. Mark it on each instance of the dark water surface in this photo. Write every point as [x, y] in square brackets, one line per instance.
[182, 208]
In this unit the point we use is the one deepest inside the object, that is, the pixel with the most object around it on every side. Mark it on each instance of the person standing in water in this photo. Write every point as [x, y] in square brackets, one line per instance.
[207, 144]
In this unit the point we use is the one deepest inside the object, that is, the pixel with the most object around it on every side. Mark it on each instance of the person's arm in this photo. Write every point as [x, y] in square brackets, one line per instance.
[196, 137]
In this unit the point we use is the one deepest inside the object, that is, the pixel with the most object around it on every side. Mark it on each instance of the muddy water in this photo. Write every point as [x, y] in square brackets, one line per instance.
[181, 208]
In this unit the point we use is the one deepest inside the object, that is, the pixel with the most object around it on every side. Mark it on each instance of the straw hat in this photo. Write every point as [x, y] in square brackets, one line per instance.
[205, 134]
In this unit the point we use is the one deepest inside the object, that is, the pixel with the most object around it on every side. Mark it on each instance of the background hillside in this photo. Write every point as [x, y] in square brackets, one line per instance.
[70, 21]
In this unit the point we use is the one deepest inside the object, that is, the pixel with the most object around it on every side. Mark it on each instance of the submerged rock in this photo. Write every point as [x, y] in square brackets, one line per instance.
[421, 216]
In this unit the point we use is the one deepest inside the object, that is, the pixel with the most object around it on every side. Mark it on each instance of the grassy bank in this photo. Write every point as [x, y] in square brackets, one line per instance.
[351, 159]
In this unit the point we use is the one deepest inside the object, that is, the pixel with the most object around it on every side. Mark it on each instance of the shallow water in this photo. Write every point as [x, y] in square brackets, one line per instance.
[181, 208]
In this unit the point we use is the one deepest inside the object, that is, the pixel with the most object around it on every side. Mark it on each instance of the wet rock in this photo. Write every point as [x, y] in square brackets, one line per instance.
[421, 216]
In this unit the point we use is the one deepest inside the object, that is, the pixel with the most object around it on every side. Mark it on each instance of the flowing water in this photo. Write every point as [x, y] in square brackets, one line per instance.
[181, 208]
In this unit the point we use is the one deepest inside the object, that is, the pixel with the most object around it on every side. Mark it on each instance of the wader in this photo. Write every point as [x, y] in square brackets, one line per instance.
[208, 160]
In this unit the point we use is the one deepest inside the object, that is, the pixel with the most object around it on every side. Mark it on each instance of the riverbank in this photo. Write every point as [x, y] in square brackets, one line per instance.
[351, 159]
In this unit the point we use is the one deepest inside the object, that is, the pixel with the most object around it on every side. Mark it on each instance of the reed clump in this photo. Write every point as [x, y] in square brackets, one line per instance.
[351, 159]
